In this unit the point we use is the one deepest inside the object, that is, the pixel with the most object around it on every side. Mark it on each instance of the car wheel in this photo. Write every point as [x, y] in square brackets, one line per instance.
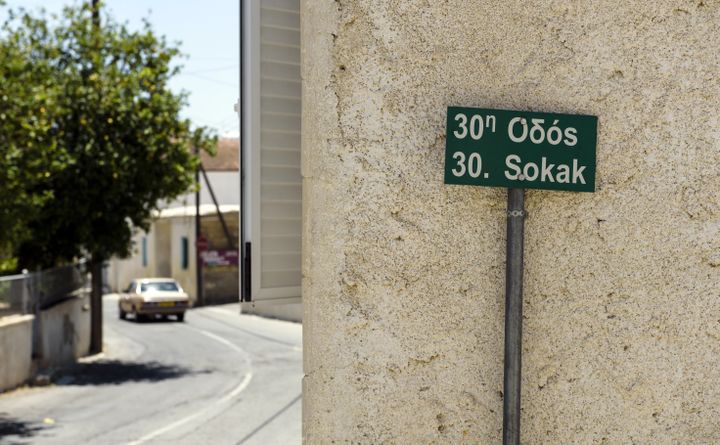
[122, 314]
[181, 317]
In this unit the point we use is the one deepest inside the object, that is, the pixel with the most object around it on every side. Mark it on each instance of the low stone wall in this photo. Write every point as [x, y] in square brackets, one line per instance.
[15, 350]
[64, 333]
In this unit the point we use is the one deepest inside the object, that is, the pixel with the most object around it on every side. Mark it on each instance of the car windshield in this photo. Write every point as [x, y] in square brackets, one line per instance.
[162, 286]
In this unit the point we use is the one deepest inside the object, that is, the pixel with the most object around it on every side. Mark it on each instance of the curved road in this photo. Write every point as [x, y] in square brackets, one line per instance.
[218, 378]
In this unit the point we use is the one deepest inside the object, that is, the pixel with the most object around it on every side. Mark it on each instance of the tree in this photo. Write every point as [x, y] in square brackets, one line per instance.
[29, 154]
[113, 133]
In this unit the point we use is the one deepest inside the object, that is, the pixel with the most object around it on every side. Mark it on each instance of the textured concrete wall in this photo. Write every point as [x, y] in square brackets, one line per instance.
[404, 276]
[64, 333]
[15, 350]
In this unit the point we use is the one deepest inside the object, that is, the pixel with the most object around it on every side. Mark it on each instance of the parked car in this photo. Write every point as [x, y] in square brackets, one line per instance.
[149, 297]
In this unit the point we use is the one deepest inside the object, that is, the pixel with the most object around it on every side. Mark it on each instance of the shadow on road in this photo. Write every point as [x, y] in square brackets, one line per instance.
[115, 372]
[18, 428]
[151, 319]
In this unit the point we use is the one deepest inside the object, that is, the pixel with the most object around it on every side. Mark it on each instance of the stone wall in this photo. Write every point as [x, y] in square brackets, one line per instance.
[64, 333]
[404, 276]
[15, 350]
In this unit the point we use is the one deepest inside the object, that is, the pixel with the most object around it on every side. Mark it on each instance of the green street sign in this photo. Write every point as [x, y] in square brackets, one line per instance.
[520, 149]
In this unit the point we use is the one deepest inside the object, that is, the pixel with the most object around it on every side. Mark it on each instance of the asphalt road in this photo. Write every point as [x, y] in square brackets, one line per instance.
[218, 378]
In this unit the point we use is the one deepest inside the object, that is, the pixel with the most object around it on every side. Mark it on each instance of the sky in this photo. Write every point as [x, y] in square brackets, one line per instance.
[208, 34]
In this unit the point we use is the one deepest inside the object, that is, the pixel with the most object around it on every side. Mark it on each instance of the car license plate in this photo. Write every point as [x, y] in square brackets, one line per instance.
[167, 304]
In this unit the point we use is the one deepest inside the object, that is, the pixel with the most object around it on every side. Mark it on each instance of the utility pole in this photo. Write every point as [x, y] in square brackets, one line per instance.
[223, 223]
[198, 258]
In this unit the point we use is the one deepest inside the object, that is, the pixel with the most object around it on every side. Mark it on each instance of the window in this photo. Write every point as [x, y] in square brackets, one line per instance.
[144, 252]
[165, 286]
[270, 156]
[184, 253]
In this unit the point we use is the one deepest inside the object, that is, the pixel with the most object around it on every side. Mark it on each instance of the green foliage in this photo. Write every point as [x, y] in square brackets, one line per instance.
[90, 135]
[29, 153]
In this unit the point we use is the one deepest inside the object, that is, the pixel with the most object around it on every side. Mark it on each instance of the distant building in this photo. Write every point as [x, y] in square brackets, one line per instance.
[223, 173]
[168, 249]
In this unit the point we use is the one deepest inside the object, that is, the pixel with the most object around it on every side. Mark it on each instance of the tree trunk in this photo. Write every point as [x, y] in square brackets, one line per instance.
[96, 333]
[96, 266]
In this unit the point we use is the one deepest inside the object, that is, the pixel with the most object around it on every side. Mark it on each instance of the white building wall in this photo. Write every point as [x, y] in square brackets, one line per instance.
[271, 149]
[225, 184]
[180, 228]
[122, 271]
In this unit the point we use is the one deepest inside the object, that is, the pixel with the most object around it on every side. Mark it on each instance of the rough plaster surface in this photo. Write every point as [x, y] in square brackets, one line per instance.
[15, 350]
[64, 333]
[404, 276]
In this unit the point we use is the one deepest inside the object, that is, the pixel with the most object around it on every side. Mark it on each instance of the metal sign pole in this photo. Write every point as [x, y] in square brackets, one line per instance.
[511, 148]
[513, 316]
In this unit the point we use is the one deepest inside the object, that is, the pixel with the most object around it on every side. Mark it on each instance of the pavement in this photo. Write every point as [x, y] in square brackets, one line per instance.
[218, 378]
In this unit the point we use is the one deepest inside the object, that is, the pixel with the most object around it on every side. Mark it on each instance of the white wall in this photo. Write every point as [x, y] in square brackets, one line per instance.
[15, 350]
[271, 148]
[163, 248]
[64, 332]
[179, 228]
[226, 185]
[122, 271]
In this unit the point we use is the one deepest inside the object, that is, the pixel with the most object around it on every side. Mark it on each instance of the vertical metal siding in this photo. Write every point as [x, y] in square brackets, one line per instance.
[280, 184]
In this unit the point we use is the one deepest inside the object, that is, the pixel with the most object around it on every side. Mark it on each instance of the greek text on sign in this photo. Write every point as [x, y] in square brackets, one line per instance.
[520, 149]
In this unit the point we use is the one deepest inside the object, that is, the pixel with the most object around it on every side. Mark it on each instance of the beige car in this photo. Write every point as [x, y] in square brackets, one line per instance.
[149, 297]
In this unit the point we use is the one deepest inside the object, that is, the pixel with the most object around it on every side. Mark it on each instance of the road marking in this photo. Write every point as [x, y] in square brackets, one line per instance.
[234, 315]
[270, 419]
[225, 399]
